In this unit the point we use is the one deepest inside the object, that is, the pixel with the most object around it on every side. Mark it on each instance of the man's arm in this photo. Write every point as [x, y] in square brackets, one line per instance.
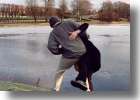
[53, 45]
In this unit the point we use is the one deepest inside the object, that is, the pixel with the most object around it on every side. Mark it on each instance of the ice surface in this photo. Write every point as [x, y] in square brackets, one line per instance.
[25, 58]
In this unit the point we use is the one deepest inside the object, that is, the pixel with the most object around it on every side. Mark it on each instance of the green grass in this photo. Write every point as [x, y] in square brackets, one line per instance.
[10, 86]
[21, 87]
[98, 22]
[94, 22]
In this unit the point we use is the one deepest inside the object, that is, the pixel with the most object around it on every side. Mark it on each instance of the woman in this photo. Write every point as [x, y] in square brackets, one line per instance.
[89, 63]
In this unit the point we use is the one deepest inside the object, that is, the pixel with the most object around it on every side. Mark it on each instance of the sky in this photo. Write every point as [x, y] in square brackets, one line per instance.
[96, 3]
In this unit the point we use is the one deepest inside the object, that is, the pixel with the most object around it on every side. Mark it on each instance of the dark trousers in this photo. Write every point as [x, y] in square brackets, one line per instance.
[84, 73]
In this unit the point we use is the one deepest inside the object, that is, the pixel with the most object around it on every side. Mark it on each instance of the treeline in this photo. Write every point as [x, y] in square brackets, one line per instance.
[40, 10]
[114, 11]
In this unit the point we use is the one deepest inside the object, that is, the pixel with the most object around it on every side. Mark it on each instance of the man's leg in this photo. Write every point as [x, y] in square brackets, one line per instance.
[64, 64]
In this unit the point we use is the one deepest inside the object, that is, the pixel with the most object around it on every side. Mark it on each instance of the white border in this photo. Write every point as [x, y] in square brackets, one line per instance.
[135, 5]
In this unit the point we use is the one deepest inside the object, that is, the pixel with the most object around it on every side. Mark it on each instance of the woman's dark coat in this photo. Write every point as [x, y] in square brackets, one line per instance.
[91, 59]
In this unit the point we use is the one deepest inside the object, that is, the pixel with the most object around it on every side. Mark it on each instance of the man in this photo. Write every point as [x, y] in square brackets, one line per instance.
[60, 43]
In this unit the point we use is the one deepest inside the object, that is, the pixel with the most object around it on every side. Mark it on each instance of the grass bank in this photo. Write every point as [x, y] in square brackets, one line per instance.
[98, 22]
[92, 22]
[10, 86]
[24, 24]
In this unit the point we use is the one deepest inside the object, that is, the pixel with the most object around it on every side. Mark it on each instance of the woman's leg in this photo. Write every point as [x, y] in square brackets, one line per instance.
[89, 77]
[80, 81]
[82, 73]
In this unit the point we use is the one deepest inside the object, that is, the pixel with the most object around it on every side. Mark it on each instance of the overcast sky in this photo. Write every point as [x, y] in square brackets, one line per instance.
[96, 3]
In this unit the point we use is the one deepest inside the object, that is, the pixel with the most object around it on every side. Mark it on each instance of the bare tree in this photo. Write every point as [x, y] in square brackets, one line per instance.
[114, 11]
[4, 12]
[81, 7]
[122, 9]
[62, 9]
[45, 9]
[32, 8]
[106, 11]
[50, 8]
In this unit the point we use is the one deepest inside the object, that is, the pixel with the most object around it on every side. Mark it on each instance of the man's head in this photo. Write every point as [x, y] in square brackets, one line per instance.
[53, 20]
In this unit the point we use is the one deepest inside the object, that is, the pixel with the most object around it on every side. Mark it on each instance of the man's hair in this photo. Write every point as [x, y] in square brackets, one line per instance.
[53, 20]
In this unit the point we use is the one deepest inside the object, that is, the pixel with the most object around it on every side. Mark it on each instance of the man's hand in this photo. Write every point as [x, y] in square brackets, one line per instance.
[73, 35]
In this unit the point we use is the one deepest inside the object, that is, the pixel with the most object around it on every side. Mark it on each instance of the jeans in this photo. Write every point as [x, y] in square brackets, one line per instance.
[64, 64]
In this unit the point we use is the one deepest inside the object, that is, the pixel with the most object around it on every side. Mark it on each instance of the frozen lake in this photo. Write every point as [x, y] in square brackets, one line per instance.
[25, 58]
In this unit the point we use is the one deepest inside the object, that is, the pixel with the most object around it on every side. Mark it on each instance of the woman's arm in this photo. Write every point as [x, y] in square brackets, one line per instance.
[82, 28]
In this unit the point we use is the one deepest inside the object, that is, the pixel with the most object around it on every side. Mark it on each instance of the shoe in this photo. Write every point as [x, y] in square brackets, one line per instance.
[54, 91]
[79, 84]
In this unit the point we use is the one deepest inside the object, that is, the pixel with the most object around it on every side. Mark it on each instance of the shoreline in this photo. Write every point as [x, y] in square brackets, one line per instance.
[47, 24]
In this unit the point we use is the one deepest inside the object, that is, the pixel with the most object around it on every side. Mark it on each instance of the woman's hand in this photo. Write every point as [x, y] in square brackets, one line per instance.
[73, 35]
